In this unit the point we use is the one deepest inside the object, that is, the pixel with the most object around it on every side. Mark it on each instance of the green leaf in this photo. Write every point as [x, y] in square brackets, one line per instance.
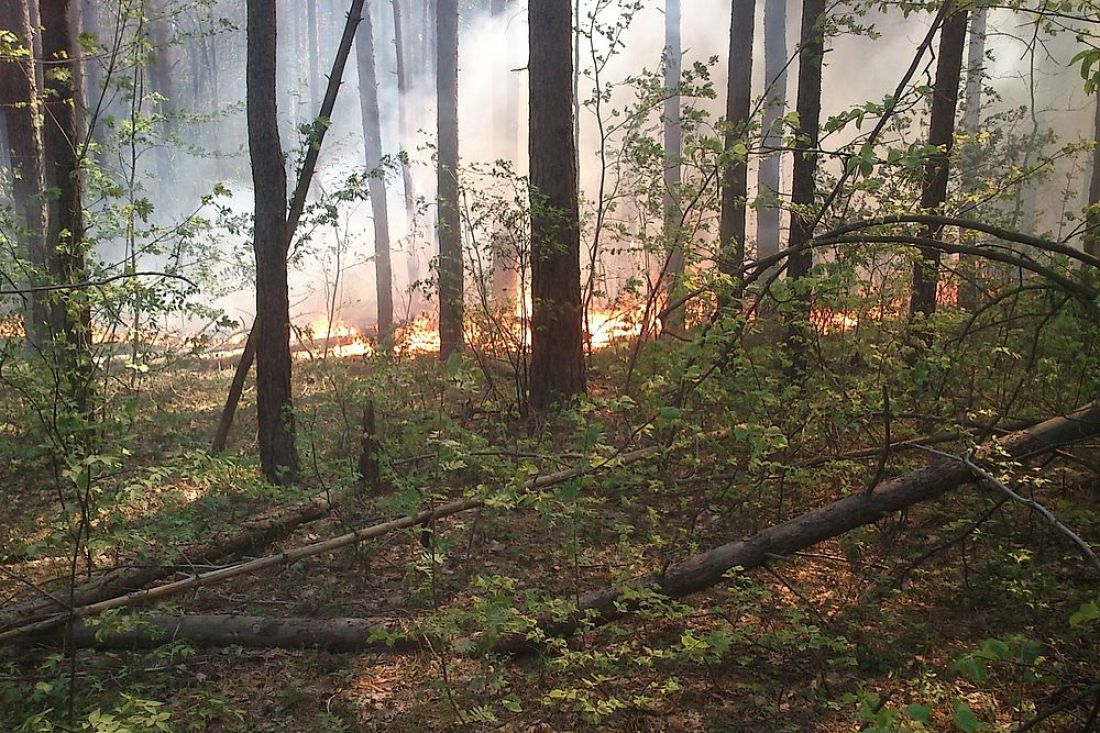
[964, 718]
[922, 713]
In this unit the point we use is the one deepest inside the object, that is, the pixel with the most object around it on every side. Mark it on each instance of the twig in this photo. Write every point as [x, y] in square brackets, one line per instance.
[94, 283]
[1064, 705]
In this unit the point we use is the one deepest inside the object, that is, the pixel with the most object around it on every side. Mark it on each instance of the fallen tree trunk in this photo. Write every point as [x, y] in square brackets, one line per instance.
[23, 625]
[706, 569]
[330, 634]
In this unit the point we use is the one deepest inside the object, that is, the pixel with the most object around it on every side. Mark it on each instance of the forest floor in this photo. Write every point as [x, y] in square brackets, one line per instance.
[845, 636]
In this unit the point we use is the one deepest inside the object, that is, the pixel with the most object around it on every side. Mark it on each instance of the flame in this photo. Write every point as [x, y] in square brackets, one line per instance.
[418, 336]
[332, 338]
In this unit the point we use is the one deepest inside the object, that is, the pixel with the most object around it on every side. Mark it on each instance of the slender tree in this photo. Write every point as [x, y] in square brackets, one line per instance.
[557, 357]
[811, 54]
[313, 52]
[941, 136]
[161, 67]
[278, 455]
[673, 134]
[450, 223]
[20, 105]
[1092, 235]
[62, 146]
[372, 149]
[505, 275]
[731, 253]
[406, 56]
[972, 118]
[775, 79]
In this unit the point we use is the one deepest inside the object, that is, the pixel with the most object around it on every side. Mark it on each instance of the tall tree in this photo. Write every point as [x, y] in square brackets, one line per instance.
[406, 53]
[731, 253]
[557, 357]
[505, 275]
[62, 146]
[372, 149]
[941, 136]
[313, 52]
[20, 105]
[162, 62]
[450, 222]
[811, 53]
[775, 79]
[673, 134]
[1092, 235]
[972, 118]
[278, 454]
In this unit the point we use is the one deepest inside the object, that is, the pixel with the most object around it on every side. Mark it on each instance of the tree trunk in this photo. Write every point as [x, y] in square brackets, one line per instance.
[278, 455]
[450, 220]
[314, 61]
[36, 42]
[557, 356]
[20, 104]
[406, 65]
[372, 149]
[161, 63]
[972, 118]
[62, 146]
[808, 105]
[941, 135]
[1092, 235]
[505, 275]
[731, 244]
[775, 77]
[673, 133]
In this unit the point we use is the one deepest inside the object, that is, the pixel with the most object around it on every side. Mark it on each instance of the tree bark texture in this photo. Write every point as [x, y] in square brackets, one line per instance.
[557, 356]
[775, 79]
[808, 105]
[376, 185]
[673, 135]
[450, 220]
[731, 245]
[275, 411]
[941, 135]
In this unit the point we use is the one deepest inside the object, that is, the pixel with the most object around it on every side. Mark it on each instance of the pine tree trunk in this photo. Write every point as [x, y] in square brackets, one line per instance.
[731, 245]
[775, 77]
[278, 455]
[557, 357]
[406, 65]
[941, 135]
[163, 59]
[1092, 236]
[505, 276]
[972, 118]
[450, 222]
[673, 133]
[808, 105]
[20, 104]
[372, 149]
[62, 147]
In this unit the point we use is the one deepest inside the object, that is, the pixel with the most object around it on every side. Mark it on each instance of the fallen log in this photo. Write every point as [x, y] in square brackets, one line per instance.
[261, 632]
[26, 625]
[704, 570]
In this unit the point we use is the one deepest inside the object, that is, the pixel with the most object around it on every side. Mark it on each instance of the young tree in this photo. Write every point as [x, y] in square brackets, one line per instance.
[557, 357]
[505, 275]
[20, 105]
[775, 79]
[278, 455]
[1092, 235]
[450, 222]
[372, 149]
[941, 135]
[62, 146]
[731, 245]
[811, 54]
[673, 133]
[972, 118]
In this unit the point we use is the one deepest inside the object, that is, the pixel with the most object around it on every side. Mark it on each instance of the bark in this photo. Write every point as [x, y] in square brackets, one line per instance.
[372, 149]
[1092, 236]
[36, 41]
[972, 118]
[941, 135]
[673, 134]
[505, 275]
[402, 47]
[331, 634]
[775, 77]
[808, 105]
[706, 569]
[731, 245]
[450, 222]
[557, 356]
[162, 62]
[275, 410]
[62, 146]
[20, 104]
[297, 207]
